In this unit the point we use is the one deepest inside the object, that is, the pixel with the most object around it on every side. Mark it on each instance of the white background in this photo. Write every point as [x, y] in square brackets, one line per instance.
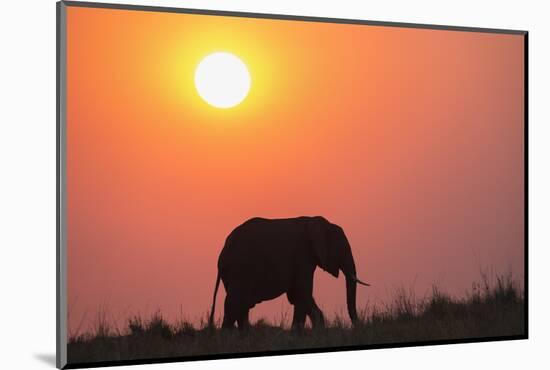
[27, 182]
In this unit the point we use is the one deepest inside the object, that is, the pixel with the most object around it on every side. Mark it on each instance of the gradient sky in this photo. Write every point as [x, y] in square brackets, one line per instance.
[410, 139]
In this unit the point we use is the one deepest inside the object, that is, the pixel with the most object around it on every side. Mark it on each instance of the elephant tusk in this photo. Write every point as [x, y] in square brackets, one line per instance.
[360, 282]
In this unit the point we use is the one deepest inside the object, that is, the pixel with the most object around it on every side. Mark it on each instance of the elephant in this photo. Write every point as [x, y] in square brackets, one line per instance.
[265, 258]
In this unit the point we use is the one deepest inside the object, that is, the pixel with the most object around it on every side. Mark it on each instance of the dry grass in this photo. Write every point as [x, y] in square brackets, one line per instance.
[491, 309]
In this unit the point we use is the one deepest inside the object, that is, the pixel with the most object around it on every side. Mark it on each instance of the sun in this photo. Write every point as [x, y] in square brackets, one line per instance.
[222, 80]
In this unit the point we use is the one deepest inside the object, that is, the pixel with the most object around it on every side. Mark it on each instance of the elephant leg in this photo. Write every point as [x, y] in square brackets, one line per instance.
[299, 318]
[316, 315]
[301, 295]
[242, 321]
[230, 312]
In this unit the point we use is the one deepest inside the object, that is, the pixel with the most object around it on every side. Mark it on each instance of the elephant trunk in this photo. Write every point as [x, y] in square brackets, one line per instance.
[351, 289]
[348, 268]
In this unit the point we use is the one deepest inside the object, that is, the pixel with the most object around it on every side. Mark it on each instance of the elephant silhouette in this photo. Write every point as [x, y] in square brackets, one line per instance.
[265, 258]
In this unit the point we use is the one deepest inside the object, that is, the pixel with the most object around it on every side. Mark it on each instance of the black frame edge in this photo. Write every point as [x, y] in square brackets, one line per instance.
[526, 178]
[290, 352]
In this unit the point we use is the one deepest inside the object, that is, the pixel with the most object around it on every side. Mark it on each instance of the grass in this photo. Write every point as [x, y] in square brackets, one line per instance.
[490, 309]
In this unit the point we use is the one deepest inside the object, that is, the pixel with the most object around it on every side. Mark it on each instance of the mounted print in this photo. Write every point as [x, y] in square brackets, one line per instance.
[236, 184]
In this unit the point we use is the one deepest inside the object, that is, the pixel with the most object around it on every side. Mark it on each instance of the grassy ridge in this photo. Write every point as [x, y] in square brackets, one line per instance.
[487, 311]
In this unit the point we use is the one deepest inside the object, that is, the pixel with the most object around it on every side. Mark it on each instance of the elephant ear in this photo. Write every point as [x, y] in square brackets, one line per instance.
[318, 230]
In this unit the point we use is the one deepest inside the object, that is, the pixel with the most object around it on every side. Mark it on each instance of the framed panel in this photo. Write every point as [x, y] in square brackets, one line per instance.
[236, 184]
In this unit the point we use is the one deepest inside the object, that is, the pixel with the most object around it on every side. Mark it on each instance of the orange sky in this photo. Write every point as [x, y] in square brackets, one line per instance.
[410, 139]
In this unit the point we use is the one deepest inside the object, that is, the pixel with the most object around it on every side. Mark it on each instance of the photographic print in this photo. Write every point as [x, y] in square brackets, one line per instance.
[235, 184]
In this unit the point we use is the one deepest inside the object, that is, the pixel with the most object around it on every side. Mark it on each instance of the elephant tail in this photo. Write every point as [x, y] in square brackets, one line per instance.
[211, 319]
